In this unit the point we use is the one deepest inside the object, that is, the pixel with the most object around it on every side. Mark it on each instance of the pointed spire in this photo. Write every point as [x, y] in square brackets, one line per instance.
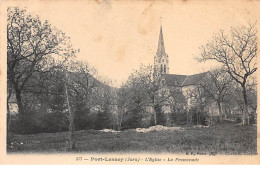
[161, 48]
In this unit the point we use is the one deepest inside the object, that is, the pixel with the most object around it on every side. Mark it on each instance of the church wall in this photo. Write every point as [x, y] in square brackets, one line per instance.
[211, 109]
[186, 92]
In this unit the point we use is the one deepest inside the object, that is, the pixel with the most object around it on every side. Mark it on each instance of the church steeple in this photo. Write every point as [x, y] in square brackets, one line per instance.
[161, 61]
[161, 48]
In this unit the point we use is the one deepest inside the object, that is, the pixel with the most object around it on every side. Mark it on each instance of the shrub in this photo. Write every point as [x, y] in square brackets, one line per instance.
[32, 123]
[199, 118]
[83, 119]
[54, 122]
[26, 123]
[178, 118]
[102, 120]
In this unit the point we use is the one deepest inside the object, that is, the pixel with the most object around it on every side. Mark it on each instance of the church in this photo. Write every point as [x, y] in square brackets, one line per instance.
[180, 86]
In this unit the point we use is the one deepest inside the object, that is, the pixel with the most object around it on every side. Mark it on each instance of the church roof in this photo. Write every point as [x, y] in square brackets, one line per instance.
[174, 80]
[161, 48]
[194, 79]
[183, 80]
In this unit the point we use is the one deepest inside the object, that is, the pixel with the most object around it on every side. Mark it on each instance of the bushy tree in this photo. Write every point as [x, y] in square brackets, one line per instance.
[217, 87]
[31, 48]
[134, 116]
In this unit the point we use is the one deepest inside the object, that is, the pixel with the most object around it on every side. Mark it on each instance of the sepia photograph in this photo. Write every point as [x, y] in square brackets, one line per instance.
[105, 81]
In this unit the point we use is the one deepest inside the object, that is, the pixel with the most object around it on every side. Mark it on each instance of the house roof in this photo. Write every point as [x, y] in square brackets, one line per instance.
[183, 80]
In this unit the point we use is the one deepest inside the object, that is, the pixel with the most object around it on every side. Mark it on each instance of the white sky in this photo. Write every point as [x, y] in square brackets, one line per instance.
[115, 37]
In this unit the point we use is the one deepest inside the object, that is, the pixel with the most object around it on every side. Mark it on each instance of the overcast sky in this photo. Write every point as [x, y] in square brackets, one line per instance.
[117, 37]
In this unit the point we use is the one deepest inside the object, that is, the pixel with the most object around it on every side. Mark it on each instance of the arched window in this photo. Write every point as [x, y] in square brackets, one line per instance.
[164, 68]
[161, 67]
[163, 60]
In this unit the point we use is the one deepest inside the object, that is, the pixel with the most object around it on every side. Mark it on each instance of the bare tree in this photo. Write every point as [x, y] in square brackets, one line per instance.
[237, 103]
[217, 86]
[199, 101]
[122, 103]
[237, 54]
[79, 85]
[83, 82]
[71, 116]
[32, 46]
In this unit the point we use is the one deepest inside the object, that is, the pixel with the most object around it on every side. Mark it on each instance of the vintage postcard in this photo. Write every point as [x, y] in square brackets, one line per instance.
[129, 82]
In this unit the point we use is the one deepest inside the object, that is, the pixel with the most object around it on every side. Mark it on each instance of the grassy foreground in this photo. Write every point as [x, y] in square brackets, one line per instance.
[221, 138]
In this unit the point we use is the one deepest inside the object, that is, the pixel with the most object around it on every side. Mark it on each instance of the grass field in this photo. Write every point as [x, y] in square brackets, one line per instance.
[221, 138]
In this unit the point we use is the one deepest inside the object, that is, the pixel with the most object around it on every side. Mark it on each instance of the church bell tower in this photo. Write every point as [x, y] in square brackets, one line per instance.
[161, 61]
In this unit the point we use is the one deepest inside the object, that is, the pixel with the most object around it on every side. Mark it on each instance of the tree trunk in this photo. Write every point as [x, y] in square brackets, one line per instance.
[154, 114]
[154, 111]
[9, 132]
[8, 117]
[8, 111]
[18, 94]
[120, 122]
[197, 118]
[117, 121]
[155, 118]
[72, 135]
[245, 119]
[211, 118]
[187, 119]
[220, 111]
[71, 126]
